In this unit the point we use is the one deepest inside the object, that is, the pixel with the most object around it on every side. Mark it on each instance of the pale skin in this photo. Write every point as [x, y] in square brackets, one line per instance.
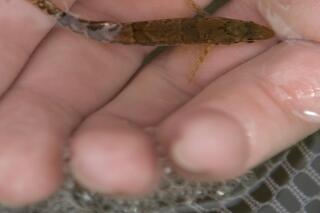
[59, 88]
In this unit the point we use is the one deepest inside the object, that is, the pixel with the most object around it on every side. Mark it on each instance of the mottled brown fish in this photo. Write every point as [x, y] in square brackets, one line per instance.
[197, 30]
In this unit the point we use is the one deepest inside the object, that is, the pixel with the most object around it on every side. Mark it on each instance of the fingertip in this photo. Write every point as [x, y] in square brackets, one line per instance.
[118, 160]
[206, 144]
[29, 177]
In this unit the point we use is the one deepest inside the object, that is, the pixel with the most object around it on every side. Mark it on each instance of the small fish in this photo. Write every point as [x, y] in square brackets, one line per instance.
[196, 30]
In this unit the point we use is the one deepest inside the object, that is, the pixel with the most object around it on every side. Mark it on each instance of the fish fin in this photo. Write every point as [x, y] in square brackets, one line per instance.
[204, 51]
[195, 7]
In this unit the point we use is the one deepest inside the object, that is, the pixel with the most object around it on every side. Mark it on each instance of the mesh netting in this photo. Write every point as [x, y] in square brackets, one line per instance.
[288, 183]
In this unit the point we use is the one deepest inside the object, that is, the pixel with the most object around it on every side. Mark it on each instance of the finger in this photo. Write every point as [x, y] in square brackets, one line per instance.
[114, 157]
[128, 11]
[67, 78]
[17, 42]
[247, 116]
[31, 134]
[83, 165]
[293, 19]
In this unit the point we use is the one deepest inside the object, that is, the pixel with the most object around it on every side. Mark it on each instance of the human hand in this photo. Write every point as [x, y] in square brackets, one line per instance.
[67, 87]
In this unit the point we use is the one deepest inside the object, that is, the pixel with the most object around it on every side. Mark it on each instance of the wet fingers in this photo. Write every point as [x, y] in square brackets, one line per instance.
[247, 116]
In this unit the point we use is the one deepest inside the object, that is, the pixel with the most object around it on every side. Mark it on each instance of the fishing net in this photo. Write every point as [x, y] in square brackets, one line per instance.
[288, 183]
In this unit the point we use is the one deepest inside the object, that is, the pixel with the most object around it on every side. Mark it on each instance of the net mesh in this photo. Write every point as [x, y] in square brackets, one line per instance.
[288, 183]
